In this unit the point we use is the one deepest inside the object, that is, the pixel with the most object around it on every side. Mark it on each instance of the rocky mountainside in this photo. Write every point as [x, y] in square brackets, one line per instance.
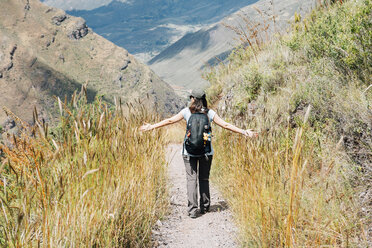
[182, 63]
[45, 52]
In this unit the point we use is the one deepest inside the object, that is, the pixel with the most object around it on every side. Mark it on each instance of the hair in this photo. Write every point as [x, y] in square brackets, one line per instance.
[199, 105]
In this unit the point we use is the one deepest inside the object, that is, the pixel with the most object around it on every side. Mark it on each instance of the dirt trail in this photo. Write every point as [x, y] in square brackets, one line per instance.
[214, 229]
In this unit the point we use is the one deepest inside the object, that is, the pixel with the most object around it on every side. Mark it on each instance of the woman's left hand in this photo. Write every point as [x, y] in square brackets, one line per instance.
[146, 127]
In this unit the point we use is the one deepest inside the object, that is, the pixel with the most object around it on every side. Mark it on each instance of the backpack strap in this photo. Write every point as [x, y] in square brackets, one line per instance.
[183, 146]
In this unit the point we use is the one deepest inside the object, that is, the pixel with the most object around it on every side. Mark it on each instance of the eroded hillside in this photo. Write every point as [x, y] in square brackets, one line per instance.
[45, 52]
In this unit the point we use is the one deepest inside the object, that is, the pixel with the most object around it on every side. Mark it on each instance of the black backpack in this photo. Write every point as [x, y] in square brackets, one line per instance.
[198, 135]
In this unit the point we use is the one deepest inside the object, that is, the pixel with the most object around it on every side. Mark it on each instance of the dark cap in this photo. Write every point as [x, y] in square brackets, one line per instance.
[197, 93]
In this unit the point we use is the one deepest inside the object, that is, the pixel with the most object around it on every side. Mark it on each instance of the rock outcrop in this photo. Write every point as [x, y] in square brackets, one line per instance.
[77, 29]
[58, 19]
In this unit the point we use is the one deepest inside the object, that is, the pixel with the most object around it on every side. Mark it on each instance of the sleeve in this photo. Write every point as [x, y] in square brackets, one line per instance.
[211, 114]
[183, 112]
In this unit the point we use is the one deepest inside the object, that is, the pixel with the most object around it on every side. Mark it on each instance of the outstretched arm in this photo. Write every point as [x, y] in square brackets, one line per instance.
[173, 119]
[233, 128]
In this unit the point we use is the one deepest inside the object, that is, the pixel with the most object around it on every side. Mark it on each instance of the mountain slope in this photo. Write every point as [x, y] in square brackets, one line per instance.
[182, 63]
[45, 52]
[148, 27]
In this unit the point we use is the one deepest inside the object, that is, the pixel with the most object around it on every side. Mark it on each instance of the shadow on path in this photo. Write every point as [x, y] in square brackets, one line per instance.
[219, 207]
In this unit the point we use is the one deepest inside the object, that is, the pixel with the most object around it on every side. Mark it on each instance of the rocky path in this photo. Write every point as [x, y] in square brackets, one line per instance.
[214, 229]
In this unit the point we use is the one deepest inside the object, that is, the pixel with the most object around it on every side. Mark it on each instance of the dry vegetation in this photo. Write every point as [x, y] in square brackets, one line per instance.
[283, 194]
[93, 181]
[175, 133]
[305, 182]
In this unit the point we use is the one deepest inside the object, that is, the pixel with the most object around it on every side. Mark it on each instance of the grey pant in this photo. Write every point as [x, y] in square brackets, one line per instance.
[192, 175]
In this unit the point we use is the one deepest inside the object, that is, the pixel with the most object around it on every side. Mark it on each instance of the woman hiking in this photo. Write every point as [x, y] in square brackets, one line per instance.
[197, 148]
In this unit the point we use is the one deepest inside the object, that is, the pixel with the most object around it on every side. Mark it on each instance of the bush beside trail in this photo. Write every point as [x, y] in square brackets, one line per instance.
[93, 181]
[301, 183]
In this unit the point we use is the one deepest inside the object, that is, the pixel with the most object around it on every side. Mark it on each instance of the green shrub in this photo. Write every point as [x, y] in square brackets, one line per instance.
[343, 34]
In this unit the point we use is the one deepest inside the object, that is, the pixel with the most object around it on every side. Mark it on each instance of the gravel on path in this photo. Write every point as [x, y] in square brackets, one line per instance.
[213, 229]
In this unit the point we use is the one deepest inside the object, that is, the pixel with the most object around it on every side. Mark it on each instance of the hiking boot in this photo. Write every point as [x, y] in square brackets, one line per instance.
[193, 215]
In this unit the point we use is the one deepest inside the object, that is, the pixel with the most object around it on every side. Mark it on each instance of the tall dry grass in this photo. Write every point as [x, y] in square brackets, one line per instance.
[282, 193]
[175, 133]
[301, 183]
[94, 181]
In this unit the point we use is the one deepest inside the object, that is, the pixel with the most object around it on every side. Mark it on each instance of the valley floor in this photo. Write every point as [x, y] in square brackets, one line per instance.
[214, 229]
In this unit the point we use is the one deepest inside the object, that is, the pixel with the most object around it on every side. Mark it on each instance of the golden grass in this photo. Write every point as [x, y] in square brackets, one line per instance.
[284, 194]
[94, 181]
[300, 184]
[175, 133]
